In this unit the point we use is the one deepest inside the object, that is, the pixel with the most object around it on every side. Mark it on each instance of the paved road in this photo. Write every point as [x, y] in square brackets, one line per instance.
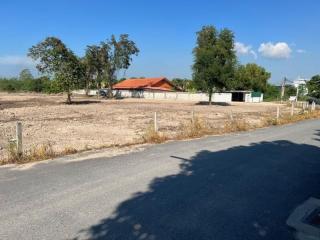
[241, 186]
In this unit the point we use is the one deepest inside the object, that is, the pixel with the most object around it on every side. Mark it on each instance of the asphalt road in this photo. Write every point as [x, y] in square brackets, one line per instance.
[240, 186]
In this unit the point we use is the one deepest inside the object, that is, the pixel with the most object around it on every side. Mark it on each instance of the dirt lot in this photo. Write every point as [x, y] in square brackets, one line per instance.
[93, 123]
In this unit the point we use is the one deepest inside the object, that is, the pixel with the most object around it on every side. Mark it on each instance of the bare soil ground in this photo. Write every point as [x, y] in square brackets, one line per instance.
[94, 123]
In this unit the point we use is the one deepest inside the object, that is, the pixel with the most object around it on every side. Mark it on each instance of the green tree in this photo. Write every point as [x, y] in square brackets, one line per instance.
[93, 64]
[25, 74]
[184, 84]
[214, 59]
[272, 92]
[116, 55]
[314, 86]
[250, 77]
[60, 62]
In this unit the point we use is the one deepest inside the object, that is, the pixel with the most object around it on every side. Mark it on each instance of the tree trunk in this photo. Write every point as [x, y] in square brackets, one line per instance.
[69, 97]
[110, 87]
[210, 96]
[87, 91]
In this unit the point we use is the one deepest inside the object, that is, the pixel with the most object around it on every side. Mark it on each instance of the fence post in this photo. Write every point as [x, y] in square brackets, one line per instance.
[231, 116]
[292, 108]
[313, 106]
[192, 114]
[155, 122]
[19, 138]
[278, 112]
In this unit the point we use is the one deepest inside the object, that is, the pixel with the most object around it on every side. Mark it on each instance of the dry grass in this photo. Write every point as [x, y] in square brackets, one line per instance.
[69, 150]
[199, 127]
[152, 136]
[122, 122]
[37, 153]
[236, 125]
[194, 128]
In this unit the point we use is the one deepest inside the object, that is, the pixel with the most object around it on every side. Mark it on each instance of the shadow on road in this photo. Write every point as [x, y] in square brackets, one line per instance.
[245, 192]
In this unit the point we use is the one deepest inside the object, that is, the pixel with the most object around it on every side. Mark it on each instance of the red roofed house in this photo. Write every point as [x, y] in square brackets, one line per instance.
[141, 84]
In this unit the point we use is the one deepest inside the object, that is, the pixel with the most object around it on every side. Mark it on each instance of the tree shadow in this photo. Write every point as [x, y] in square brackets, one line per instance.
[224, 104]
[245, 192]
[82, 102]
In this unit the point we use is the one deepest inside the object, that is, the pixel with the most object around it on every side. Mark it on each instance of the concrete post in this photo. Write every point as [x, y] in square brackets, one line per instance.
[155, 122]
[19, 138]
[231, 116]
[313, 106]
[292, 108]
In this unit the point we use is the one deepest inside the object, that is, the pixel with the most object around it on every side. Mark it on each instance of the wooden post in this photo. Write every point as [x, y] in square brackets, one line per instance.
[192, 114]
[19, 138]
[292, 108]
[278, 112]
[155, 122]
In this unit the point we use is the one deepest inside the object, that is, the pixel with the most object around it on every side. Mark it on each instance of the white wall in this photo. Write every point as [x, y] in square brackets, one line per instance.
[248, 98]
[183, 96]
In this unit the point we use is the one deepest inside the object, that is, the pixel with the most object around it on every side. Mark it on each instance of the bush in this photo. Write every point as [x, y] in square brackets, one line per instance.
[41, 84]
[272, 93]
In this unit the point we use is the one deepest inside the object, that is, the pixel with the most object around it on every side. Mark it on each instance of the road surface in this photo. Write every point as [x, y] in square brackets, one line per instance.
[239, 186]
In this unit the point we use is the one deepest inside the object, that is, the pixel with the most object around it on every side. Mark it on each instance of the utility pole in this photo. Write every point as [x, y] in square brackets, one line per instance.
[297, 94]
[283, 85]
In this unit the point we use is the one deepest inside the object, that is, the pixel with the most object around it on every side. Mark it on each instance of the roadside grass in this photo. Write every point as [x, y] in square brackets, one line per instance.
[195, 128]
[36, 153]
[152, 136]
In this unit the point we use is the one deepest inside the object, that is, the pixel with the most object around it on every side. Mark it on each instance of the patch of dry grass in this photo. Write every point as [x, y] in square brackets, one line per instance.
[152, 136]
[236, 125]
[194, 128]
[37, 153]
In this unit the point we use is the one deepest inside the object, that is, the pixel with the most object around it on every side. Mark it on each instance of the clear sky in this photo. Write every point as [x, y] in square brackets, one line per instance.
[282, 36]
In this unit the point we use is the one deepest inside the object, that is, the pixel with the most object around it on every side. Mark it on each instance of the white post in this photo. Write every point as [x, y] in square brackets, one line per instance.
[231, 116]
[155, 122]
[278, 112]
[313, 106]
[292, 108]
[19, 138]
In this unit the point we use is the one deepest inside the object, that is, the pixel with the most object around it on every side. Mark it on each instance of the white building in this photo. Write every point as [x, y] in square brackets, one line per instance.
[301, 83]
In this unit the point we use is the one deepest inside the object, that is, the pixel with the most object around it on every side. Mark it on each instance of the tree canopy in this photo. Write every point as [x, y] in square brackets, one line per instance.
[25, 74]
[250, 77]
[214, 59]
[184, 84]
[314, 86]
[104, 61]
[58, 61]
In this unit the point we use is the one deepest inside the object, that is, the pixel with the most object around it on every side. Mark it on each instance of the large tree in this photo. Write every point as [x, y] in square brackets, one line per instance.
[59, 62]
[214, 59]
[250, 77]
[314, 86]
[116, 56]
[103, 62]
[93, 65]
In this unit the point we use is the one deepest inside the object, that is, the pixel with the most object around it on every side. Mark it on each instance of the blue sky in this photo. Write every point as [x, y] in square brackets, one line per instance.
[282, 36]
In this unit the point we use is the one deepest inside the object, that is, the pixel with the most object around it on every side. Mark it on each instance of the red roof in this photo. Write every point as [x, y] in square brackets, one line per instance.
[144, 83]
